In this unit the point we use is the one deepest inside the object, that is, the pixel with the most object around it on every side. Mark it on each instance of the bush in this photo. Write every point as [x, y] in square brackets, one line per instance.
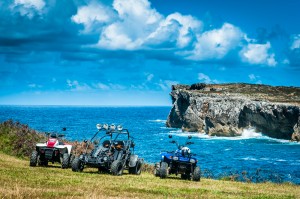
[18, 139]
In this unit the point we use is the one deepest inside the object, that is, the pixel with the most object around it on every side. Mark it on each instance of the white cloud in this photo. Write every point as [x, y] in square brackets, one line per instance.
[206, 79]
[258, 54]
[76, 86]
[34, 86]
[136, 21]
[166, 84]
[135, 25]
[150, 77]
[252, 77]
[109, 86]
[295, 42]
[93, 16]
[179, 28]
[28, 7]
[101, 86]
[215, 44]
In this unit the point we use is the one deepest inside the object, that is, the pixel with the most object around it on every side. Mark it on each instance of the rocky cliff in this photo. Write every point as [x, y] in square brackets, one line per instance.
[226, 109]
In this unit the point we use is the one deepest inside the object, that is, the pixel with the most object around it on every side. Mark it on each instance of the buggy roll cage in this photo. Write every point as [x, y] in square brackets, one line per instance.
[109, 133]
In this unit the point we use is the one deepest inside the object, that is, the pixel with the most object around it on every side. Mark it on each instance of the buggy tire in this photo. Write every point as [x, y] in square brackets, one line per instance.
[137, 169]
[72, 157]
[196, 174]
[65, 161]
[34, 158]
[163, 170]
[77, 165]
[156, 169]
[116, 168]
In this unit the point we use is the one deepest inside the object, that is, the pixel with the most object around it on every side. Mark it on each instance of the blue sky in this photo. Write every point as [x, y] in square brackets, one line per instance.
[130, 52]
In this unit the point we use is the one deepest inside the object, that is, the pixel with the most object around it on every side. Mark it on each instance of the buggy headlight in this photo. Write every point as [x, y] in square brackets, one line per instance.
[175, 158]
[192, 161]
[112, 127]
[99, 126]
[120, 128]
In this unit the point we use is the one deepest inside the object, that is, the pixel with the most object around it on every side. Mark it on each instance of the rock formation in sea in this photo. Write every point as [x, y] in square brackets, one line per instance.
[227, 109]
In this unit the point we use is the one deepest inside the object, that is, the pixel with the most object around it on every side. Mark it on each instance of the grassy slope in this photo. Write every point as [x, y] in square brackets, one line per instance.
[21, 181]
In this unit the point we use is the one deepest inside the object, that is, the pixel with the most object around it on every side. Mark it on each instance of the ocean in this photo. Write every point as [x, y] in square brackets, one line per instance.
[250, 157]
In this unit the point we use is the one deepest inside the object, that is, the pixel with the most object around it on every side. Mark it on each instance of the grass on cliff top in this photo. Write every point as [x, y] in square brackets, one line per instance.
[281, 94]
[18, 180]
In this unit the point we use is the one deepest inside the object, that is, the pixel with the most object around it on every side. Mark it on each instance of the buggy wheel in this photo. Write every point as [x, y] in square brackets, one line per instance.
[72, 157]
[156, 169]
[196, 174]
[33, 158]
[77, 165]
[163, 170]
[116, 168]
[137, 169]
[65, 161]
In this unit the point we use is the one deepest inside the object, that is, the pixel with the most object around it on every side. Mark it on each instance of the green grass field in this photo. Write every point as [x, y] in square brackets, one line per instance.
[18, 180]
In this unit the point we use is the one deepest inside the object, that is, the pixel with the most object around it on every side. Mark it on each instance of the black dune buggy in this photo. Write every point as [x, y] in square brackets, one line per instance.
[111, 153]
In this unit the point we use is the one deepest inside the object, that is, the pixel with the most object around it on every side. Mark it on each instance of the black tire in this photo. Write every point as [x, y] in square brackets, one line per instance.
[163, 170]
[116, 168]
[77, 165]
[156, 170]
[196, 174]
[33, 158]
[65, 161]
[72, 157]
[137, 169]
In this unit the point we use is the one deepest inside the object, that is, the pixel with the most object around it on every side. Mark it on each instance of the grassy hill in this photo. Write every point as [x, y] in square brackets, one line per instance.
[18, 180]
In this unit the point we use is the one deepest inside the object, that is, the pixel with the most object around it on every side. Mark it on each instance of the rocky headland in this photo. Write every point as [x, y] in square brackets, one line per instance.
[227, 109]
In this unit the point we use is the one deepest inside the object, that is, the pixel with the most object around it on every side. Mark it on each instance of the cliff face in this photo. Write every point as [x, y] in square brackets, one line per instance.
[226, 109]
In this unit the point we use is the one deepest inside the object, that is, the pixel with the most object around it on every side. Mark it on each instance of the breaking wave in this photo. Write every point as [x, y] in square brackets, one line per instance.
[158, 121]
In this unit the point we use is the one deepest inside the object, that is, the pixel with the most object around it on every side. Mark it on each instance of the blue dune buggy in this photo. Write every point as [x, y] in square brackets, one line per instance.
[181, 161]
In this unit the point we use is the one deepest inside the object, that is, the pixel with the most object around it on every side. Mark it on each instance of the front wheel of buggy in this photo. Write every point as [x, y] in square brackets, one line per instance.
[137, 169]
[65, 161]
[116, 168]
[163, 170]
[33, 158]
[196, 174]
[77, 165]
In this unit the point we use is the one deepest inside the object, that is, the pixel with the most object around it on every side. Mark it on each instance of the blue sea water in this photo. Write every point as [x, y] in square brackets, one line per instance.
[252, 156]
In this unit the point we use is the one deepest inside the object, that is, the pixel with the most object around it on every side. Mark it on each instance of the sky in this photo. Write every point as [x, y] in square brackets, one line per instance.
[130, 52]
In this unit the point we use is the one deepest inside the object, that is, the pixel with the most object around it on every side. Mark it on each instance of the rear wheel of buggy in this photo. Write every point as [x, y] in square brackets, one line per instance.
[163, 170]
[156, 169]
[137, 169]
[77, 165]
[196, 174]
[33, 158]
[65, 161]
[116, 168]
